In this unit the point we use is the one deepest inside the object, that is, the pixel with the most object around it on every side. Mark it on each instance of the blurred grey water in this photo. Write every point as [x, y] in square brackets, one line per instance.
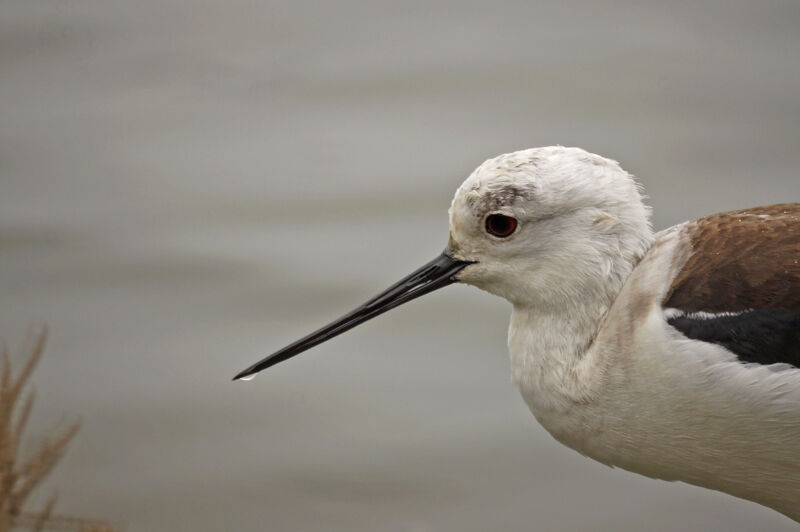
[186, 186]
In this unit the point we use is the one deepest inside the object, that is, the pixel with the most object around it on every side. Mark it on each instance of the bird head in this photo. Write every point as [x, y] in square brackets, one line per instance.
[544, 226]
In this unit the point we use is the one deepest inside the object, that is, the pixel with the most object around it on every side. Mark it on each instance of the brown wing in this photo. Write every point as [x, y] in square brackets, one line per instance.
[748, 259]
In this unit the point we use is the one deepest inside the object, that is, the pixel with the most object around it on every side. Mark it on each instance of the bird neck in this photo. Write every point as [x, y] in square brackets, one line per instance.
[554, 326]
[547, 349]
[548, 342]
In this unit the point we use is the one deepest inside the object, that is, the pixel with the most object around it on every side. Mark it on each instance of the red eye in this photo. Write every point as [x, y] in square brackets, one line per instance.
[500, 225]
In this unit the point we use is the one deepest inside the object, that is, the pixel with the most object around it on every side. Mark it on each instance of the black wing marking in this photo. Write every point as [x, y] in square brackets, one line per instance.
[767, 336]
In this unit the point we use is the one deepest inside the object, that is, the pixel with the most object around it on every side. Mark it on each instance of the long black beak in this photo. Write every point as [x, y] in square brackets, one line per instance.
[437, 273]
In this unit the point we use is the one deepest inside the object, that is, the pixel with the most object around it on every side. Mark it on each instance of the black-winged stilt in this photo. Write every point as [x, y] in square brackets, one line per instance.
[674, 355]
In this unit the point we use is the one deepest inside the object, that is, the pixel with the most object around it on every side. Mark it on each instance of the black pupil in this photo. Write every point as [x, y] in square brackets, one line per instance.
[500, 225]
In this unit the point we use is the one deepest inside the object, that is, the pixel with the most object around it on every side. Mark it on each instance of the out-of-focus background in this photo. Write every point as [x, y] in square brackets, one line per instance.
[187, 186]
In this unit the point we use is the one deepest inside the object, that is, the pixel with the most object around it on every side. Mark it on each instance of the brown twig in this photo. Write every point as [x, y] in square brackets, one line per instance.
[18, 478]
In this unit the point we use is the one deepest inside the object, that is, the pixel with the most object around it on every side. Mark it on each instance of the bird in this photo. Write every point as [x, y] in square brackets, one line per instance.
[674, 355]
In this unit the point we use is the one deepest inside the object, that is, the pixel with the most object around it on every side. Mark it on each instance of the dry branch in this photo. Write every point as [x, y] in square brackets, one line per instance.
[18, 477]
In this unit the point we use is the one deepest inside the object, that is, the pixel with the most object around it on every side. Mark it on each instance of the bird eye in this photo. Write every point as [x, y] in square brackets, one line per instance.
[500, 225]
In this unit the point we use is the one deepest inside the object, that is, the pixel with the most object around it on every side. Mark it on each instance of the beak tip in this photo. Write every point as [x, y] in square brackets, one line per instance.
[243, 376]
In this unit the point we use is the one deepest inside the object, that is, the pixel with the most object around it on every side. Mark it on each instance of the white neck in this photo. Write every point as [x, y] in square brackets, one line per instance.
[546, 348]
[549, 342]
